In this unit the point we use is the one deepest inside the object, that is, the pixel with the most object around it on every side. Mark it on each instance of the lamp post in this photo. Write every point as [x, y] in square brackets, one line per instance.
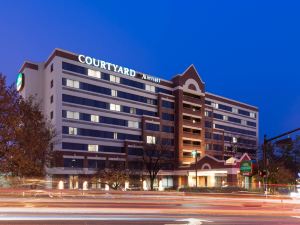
[194, 153]
[73, 165]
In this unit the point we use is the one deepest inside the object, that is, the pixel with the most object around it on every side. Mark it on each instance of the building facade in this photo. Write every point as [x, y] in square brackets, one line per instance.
[105, 113]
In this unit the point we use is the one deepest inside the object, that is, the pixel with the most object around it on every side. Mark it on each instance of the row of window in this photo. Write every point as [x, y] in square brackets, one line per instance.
[229, 118]
[100, 119]
[209, 124]
[112, 78]
[105, 105]
[100, 133]
[230, 109]
[234, 129]
[215, 147]
[240, 140]
[107, 91]
[190, 142]
[92, 148]
[163, 141]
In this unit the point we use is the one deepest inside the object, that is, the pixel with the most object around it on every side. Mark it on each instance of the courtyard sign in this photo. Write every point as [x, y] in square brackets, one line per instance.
[20, 81]
[113, 67]
[246, 168]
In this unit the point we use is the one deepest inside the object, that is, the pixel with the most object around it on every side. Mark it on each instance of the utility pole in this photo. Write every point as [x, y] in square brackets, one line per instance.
[265, 160]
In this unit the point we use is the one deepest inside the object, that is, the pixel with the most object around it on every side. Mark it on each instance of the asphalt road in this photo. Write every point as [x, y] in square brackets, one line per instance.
[145, 209]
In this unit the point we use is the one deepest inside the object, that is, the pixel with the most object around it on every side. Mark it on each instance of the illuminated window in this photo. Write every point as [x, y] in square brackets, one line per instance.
[151, 140]
[95, 118]
[72, 83]
[73, 115]
[94, 73]
[215, 105]
[72, 131]
[252, 114]
[150, 88]
[234, 110]
[114, 93]
[225, 118]
[244, 122]
[115, 135]
[115, 107]
[93, 148]
[132, 110]
[133, 124]
[234, 140]
[114, 79]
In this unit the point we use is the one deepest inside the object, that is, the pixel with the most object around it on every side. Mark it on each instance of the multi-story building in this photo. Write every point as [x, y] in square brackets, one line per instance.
[104, 113]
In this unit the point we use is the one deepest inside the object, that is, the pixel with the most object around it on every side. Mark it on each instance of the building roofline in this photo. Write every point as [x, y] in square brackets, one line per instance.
[29, 64]
[229, 99]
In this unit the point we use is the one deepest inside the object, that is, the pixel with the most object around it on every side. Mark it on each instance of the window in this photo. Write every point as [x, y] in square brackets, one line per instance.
[151, 140]
[132, 110]
[167, 116]
[51, 114]
[115, 107]
[115, 135]
[168, 129]
[51, 84]
[133, 124]
[167, 104]
[93, 148]
[72, 130]
[252, 114]
[51, 99]
[51, 68]
[114, 93]
[244, 122]
[215, 105]
[72, 83]
[73, 115]
[95, 118]
[150, 101]
[234, 110]
[152, 126]
[150, 88]
[225, 117]
[114, 79]
[94, 73]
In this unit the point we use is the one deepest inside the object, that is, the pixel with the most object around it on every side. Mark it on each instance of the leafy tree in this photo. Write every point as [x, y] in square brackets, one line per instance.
[154, 158]
[25, 134]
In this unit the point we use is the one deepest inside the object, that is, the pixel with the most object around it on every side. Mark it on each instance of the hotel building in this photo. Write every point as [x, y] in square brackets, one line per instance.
[105, 113]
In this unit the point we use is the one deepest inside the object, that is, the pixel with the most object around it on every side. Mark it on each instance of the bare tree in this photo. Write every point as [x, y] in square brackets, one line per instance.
[114, 176]
[154, 158]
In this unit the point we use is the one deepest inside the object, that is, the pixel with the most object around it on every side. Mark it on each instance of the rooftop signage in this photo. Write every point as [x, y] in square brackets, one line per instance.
[114, 68]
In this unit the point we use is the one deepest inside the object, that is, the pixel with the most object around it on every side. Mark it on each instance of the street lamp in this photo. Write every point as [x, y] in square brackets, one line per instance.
[194, 153]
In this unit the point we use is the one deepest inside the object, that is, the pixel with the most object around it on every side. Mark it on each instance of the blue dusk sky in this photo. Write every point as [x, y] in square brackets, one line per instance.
[245, 50]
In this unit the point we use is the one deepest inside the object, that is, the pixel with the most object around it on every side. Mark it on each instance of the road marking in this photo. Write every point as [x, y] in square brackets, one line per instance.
[191, 221]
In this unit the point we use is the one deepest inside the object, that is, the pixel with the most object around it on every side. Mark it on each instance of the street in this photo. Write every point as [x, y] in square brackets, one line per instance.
[132, 208]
